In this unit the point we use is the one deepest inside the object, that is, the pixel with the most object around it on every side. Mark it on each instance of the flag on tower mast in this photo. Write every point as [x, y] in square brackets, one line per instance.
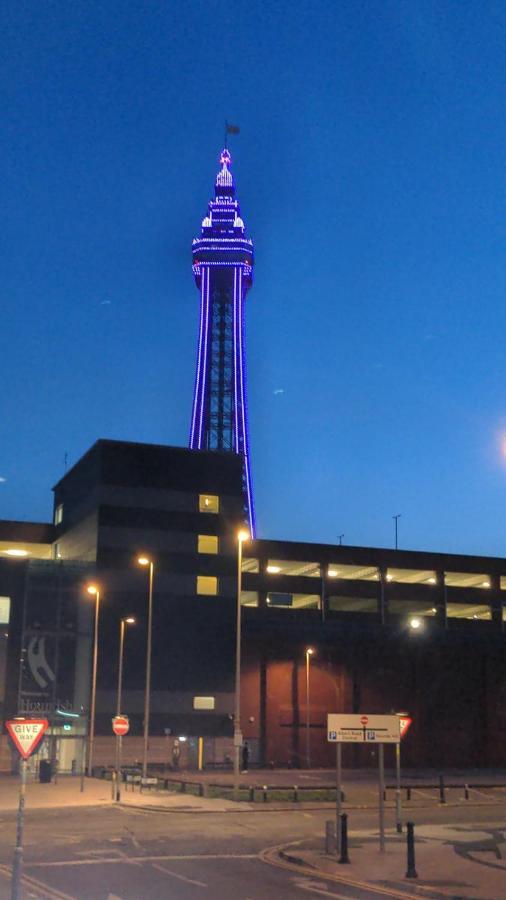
[230, 129]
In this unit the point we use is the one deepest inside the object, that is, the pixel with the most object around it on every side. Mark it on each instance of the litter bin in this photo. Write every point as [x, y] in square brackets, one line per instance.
[44, 771]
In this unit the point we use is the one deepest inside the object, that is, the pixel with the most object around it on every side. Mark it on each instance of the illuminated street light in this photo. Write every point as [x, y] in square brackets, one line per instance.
[309, 654]
[95, 591]
[415, 623]
[242, 536]
[145, 561]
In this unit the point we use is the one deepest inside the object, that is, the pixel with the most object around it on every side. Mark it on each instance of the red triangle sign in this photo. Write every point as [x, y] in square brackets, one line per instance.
[404, 722]
[26, 734]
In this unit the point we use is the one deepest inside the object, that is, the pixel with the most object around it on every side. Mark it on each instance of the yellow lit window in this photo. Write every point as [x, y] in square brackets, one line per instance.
[207, 543]
[209, 503]
[207, 584]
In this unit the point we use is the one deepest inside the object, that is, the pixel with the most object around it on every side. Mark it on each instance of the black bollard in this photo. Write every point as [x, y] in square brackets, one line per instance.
[410, 842]
[265, 793]
[295, 793]
[408, 793]
[466, 791]
[344, 858]
[251, 794]
[442, 797]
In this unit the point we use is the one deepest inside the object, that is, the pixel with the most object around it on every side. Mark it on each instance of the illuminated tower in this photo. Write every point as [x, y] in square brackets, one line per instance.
[223, 269]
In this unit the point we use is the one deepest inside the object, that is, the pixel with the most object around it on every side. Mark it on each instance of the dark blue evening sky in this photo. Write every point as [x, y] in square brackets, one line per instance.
[371, 174]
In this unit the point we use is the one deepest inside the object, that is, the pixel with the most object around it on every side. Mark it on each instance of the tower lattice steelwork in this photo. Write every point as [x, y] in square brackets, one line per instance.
[223, 269]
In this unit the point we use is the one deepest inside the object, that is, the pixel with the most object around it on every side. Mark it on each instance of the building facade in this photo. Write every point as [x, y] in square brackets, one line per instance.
[390, 630]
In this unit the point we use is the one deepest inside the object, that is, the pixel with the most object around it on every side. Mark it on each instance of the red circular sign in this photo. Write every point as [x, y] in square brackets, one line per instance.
[120, 725]
[364, 720]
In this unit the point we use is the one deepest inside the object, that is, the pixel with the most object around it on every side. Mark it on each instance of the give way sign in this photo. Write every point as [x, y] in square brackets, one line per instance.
[26, 734]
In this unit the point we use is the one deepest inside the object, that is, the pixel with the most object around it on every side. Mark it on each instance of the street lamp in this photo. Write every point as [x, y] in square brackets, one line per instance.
[309, 654]
[242, 536]
[93, 589]
[128, 620]
[144, 561]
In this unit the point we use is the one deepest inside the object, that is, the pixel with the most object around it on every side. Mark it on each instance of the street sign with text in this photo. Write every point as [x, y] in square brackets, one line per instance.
[363, 729]
[26, 734]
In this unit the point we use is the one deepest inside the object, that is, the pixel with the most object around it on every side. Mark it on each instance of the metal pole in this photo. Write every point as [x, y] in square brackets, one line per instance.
[396, 519]
[17, 865]
[381, 798]
[338, 797]
[148, 674]
[308, 740]
[237, 706]
[398, 801]
[93, 687]
[118, 706]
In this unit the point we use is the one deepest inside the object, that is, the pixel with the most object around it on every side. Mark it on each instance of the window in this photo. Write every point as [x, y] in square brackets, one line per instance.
[502, 582]
[412, 576]
[292, 567]
[209, 503]
[203, 702]
[353, 573]
[57, 550]
[352, 604]
[410, 608]
[466, 579]
[249, 598]
[207, 543]
[250, 565]
[58, 514]
[207, 584]
[5, 610]
[293, 601]
[468, 611]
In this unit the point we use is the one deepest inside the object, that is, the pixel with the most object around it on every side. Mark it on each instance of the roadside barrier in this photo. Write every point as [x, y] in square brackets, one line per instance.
[344, 858]
[410, 844]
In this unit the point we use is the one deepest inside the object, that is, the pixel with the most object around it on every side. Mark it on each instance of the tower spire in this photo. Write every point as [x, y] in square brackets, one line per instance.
[223, 270]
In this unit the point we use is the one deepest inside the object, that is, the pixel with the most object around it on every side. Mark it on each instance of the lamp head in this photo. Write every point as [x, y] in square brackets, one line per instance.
[143, 561]
[129, 620]
[92, 589]
[309, 651]
[243, 535]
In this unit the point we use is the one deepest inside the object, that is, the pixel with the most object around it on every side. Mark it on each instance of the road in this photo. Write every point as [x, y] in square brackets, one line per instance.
[110, 853]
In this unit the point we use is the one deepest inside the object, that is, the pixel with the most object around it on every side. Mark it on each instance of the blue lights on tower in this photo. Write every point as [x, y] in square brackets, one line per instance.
[223, 270]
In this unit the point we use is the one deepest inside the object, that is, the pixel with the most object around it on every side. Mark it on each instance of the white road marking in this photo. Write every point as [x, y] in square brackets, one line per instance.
[317, 887]
[137, 859]
[177, 875]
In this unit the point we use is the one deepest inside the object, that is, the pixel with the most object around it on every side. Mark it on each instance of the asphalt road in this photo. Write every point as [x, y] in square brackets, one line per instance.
[111, 853]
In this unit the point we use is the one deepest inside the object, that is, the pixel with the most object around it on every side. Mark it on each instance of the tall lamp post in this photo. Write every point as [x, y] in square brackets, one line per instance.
[128, 620]
[309, 654]
[93, 589]
[242, 536]
[145, 561]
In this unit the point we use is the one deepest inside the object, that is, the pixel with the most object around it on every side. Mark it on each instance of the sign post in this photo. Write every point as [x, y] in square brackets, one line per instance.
[26, 735]
[404, 723]
[120, 726]
[365, 729]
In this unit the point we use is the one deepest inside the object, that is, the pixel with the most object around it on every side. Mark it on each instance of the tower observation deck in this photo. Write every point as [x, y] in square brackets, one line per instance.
[223, 270]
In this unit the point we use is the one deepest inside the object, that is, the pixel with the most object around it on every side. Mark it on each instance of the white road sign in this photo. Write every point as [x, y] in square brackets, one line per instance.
[363, 729]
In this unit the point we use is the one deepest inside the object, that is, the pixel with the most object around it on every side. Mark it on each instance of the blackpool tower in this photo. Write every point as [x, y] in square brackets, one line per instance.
[223, 270]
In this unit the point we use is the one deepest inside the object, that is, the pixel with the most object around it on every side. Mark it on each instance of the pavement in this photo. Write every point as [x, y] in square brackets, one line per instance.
[460, 847]
[451, 861]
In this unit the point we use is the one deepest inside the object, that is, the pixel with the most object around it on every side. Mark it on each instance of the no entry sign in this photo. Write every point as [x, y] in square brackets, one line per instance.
[26, 734]
[120, 725]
